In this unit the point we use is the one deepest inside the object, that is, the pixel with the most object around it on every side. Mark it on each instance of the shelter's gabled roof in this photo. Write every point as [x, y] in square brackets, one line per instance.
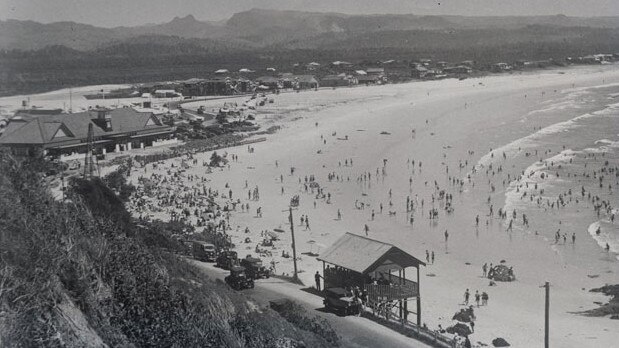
[364, 255]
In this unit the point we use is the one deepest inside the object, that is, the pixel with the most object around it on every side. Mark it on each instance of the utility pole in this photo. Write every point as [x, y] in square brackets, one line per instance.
[294, 247]
[88, 163]
[547, 316]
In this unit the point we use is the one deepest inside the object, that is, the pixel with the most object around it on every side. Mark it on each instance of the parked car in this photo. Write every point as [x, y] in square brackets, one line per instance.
[254, 268]
[337, 300]
[202, 251]
[227, 259]
[238, 279]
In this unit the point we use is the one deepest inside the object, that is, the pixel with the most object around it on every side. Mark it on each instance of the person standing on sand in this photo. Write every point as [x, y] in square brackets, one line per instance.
[573, 238]
[467, 294]
[339, 215]
[307, 226]
[484, 298]
[367, 229]
[477, 297]
[484, 269]
[432, 257]
[446, 236]
[427, 256]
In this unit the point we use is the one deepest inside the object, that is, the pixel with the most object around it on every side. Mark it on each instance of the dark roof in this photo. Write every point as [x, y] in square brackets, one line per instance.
[365, 255]
[38, 112]
[44, 129]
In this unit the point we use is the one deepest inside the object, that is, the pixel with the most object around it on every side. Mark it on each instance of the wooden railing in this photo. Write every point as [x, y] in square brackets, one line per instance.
[392, 292]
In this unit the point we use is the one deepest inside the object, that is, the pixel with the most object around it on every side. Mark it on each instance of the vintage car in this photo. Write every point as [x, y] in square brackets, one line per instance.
[339, 301]
[202, 251]
[254, 268]
[238, 279]
[226, 259]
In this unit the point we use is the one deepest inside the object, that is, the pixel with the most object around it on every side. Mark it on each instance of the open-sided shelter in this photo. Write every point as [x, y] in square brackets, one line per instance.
[357, 261]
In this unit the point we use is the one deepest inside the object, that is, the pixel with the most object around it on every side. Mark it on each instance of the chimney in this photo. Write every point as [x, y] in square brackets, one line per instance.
[104, 119]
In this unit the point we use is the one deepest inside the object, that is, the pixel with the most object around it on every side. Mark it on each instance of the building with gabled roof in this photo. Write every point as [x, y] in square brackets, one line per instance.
[66, 133]
[361, 262]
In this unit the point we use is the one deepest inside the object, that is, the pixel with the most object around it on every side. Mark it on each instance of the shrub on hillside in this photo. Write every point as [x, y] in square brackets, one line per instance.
[70, 277]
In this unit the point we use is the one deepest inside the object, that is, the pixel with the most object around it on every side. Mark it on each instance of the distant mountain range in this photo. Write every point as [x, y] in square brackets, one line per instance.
[256, 28]
[37, 57]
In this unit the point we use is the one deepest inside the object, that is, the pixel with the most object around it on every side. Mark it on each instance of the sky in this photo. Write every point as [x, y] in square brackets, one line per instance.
[111, 13]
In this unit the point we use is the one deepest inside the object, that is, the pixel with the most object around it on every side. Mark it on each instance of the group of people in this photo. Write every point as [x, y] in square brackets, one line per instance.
[479, 298]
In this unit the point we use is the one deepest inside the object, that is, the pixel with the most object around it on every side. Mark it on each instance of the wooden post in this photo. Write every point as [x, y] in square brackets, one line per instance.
[294, 247]
[400, 300]
[418, 296]
[405, 300]
[547, 316]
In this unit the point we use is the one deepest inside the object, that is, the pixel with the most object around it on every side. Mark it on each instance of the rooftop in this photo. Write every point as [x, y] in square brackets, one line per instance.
[365, 255]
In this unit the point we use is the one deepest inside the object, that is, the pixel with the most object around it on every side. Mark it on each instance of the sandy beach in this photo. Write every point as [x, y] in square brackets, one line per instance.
[552, 132]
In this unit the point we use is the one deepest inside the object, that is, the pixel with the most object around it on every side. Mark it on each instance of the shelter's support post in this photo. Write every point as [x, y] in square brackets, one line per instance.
[405, 300]
[418, 297]
[400, 301]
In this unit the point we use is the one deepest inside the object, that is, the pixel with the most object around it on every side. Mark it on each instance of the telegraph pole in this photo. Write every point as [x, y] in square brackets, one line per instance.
[547, 316]
[294, 247]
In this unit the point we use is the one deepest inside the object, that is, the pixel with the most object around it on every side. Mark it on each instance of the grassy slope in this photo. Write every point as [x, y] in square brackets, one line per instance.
[71, 276]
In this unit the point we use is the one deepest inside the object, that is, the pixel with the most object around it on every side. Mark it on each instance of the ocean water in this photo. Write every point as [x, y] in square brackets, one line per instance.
[565, 177]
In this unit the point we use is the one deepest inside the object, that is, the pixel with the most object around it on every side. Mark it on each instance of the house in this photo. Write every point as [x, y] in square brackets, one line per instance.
[58, 135]
[419, 72]
[458, 70]
[270, 82]
[339, 63]
[222, 72]
[375, 71]
[469, 63]
[312, 66]
[368, 79]
[216, 86]
[166, 93]
[426, 62]
[338, 80]
[498, 67]
[397, 70]
[306, 82]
